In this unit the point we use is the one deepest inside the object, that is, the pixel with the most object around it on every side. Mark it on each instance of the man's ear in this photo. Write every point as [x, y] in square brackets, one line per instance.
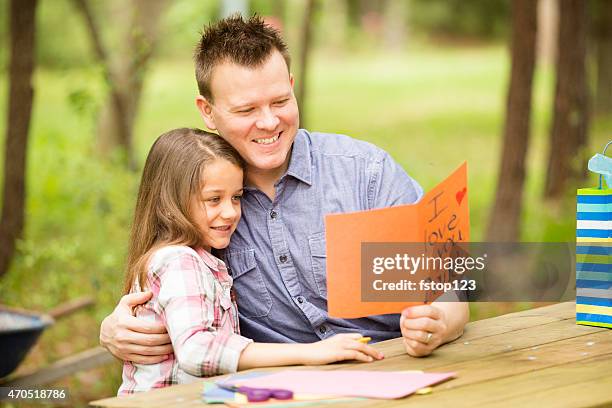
[291, 80]
[205, 108]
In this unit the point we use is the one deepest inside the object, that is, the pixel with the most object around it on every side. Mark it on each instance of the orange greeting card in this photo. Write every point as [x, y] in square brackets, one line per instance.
[441, 216]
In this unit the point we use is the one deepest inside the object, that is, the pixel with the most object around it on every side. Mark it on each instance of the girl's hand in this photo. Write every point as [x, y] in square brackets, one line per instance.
[338, 348]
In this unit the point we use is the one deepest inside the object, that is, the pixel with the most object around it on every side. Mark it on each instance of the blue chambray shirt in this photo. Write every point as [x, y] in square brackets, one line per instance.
[277, 254]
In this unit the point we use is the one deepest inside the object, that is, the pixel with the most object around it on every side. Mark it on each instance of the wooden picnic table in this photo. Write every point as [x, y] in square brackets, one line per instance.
[538, 357]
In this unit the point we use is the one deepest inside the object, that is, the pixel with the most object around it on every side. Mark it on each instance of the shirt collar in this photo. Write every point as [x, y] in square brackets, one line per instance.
[300, 164]
[210, 261]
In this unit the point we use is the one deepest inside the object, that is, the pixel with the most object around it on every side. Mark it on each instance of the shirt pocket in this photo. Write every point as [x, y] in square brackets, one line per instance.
[225, 299]
[252, 294]
[318, 257]
[224, 305]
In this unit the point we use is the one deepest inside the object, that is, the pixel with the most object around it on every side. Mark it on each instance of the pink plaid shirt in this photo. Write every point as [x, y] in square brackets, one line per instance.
[192, 298]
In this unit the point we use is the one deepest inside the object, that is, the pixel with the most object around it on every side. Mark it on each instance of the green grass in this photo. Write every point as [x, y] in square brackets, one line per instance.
[430, 108]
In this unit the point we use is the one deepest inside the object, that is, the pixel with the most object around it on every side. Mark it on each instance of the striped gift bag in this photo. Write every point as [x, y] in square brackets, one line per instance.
[594, 256]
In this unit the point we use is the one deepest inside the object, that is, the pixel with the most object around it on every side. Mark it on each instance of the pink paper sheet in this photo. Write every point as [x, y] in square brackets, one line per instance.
[369, 384]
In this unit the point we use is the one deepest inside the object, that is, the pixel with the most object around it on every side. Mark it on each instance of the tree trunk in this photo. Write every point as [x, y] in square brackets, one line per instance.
[603, 54]
[354, 12]
[548, 28]
[570, 118]
[279, 11]
[395, 23]
[21, 94]
[121, 133]
[305, 42]
[129, 73]
[504, 224]
[125, 78]
[334, 21]
[229, 7]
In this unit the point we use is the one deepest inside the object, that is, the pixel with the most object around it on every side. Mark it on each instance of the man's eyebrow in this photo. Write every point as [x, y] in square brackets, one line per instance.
[285, 95]
[245, 105]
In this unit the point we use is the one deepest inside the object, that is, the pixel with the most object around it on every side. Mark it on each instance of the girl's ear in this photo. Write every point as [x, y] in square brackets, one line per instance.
[205, 108]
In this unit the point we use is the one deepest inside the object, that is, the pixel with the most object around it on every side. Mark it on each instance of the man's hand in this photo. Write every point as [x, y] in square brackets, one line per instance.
[428, 326]
[423, 329]
[131, 339]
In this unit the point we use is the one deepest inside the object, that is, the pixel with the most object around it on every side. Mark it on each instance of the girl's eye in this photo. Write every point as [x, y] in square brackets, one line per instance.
[237, 197]
[214, 199]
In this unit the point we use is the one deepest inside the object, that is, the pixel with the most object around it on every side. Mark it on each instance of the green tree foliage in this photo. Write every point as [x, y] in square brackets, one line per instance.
[182, 24]
[486, 19]
[62, 39]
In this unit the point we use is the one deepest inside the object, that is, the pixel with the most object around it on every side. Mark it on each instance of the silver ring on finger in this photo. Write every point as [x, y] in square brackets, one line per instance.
[428, 338]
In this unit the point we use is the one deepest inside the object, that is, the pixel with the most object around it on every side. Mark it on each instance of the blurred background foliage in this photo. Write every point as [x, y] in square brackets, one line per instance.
[424, 79]
[477, 19]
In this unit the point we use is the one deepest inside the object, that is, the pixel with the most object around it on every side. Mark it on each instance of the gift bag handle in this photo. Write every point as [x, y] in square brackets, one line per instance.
[604, 153]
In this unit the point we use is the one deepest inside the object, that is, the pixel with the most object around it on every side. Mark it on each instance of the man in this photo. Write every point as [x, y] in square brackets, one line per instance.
[293, 178]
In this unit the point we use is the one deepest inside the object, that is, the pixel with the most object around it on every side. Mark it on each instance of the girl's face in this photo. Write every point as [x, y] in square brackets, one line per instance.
[216, 209]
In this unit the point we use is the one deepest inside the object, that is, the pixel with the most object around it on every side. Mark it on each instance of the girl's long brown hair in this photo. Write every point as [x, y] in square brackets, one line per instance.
[171, 175]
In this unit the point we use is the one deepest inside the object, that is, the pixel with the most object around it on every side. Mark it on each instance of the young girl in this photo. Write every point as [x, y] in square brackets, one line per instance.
[189, 203]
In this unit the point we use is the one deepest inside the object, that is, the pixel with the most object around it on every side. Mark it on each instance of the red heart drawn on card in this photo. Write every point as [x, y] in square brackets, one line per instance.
[460, 194]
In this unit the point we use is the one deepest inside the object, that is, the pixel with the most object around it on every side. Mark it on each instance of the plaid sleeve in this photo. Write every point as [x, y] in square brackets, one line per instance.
[202, 344]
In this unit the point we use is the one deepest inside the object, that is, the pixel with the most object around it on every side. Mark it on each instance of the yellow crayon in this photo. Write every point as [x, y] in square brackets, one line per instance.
[364, 340]
[424, 391]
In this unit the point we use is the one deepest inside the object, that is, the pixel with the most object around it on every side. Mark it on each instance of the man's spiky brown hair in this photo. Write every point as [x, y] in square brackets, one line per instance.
[243, 42]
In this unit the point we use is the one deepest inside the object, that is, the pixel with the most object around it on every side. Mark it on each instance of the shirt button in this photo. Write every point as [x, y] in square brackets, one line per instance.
[282, 258]
[273, 214]
[322, 329]
[300, 299]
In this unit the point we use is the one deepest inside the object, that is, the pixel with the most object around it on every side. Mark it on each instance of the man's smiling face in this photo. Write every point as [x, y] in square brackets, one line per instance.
[255, 110]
